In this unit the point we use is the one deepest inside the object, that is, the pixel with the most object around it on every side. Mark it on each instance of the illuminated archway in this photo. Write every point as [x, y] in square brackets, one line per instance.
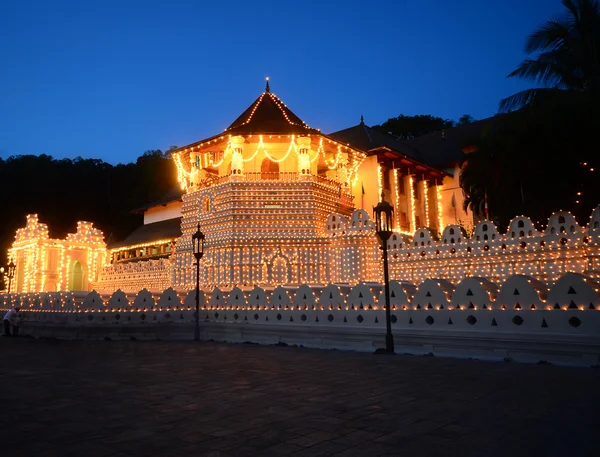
[76, 276]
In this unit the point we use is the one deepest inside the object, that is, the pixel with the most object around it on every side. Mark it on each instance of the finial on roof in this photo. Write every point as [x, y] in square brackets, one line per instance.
[267, 88]
[362, 119]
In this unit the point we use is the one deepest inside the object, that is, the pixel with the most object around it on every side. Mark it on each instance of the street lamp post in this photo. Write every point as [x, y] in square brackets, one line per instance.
[198, 245]
[10, 272]
[384, 217]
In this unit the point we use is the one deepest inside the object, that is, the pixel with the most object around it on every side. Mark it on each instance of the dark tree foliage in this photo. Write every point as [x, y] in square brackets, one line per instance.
[538, 160]
[544, 157]
[566, 55]
[65, 191]
[406, 127]
[465, 119]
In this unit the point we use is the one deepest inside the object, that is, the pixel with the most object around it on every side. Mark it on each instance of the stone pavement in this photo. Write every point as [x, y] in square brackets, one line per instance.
[106, 398]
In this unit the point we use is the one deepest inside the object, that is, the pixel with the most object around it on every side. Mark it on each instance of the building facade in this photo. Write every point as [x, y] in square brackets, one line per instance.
[281, 203]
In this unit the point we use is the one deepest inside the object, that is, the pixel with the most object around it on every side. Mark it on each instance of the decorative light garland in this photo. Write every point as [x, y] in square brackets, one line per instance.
[413, 224]
[425, 202]
[438, 192]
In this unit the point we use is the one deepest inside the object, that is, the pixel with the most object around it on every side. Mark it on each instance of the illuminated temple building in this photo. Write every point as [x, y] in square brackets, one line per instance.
[281, 203]
[267, 193]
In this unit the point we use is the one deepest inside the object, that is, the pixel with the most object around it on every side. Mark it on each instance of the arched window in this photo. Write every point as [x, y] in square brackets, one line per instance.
[484, 227]
[205, 207]
[269, 169]
[561, 219]
[520, 224]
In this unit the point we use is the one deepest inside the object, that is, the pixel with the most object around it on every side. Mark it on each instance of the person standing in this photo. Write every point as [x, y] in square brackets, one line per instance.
[11, 319]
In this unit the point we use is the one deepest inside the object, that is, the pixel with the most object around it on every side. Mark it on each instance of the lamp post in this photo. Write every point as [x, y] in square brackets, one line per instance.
[10, 272]
[384, 214]
[198, 245]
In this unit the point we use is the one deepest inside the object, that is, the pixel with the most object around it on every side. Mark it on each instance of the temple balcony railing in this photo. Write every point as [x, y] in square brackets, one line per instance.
[286, 176]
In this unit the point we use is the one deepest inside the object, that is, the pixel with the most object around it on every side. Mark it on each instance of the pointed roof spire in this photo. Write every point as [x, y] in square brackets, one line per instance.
[362, 119]
[267, 88]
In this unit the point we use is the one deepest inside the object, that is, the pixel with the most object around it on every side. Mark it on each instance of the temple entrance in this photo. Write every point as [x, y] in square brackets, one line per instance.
[76, 276]
[269, 169]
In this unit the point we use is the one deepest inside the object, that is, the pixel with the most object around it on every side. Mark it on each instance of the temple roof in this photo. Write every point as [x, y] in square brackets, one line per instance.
[163, 230]
[268, 114]
[172, 196]
[363, 137]
[446, 146]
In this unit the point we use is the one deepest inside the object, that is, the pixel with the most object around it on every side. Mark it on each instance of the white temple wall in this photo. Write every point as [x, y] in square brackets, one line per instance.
[171, 210]
[526, 320]
[367, 179]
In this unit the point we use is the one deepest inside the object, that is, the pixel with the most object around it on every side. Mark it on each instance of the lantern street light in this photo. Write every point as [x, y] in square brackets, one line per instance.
[10, 272]
[198, 245]
[384, 214]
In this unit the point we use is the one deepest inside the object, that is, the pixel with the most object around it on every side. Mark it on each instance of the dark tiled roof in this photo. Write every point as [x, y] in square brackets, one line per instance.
[445, 146]
[268, 114]
[365, 138]
[163, 230]
[172, 196]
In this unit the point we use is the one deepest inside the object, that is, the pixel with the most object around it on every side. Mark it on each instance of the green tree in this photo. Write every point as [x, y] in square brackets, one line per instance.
[568, 55]
[406, 127]
[543, 157]
[465, 119]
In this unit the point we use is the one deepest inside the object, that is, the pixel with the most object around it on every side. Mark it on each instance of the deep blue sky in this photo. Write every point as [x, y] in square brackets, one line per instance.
[111, 79]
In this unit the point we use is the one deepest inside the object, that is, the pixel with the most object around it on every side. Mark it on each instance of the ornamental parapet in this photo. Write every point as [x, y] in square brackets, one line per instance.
[563, 246]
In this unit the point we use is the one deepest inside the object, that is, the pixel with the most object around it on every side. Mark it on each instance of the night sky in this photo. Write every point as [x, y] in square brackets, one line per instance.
[111, 79]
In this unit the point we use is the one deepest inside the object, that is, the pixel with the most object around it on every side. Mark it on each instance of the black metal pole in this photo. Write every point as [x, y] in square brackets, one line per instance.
[389, 338]
[197, 329]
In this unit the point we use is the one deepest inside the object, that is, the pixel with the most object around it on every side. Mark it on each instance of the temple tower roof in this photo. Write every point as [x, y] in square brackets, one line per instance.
[268, 114]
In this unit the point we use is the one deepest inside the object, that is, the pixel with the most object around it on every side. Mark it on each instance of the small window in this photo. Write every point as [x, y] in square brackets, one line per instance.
[422, 234]
[451, 231]
[484, 227]
[386, 178]
[485, 237]
[206, 204]
[521, 233]
[512, 234]
[401, 188]
[561, 219]
[520, 224]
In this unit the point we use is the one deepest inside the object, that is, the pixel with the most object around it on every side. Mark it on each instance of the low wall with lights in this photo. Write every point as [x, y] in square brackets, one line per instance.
[521, 319]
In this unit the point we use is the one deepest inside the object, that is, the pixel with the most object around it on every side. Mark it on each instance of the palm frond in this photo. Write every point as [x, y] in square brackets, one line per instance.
[550, 35]
[518, 100]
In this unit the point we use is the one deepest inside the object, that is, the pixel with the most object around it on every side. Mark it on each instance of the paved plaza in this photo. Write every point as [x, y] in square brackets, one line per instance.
[108, 398]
